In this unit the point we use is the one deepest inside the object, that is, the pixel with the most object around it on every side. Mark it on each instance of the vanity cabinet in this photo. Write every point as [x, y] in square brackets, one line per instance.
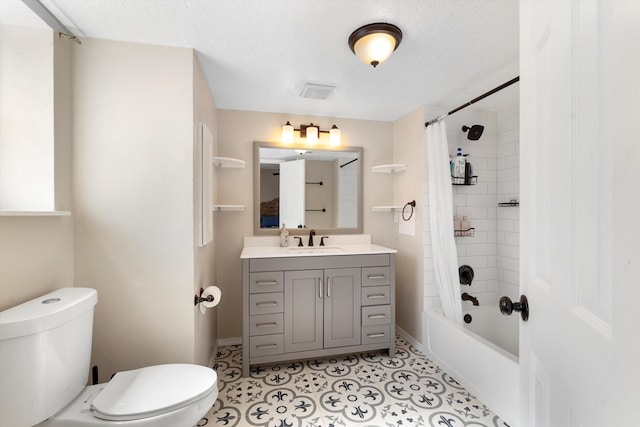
[306, 307]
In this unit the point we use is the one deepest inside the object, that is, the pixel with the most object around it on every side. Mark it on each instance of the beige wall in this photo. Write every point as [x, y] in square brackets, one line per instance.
[205, 331]
[36, 253]
[134, 200]
[408, 147]
[237, 130]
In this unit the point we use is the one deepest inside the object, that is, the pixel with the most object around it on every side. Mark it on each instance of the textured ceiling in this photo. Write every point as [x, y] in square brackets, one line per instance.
[257, 54]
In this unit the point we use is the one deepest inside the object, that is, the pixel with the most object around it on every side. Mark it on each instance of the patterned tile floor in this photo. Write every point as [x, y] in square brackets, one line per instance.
[367, 389]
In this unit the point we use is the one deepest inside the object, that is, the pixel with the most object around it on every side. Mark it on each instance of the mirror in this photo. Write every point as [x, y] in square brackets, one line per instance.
[306, 187]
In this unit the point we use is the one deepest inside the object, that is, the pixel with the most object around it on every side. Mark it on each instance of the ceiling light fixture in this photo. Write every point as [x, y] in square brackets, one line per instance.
[374, 43]
[311, 132]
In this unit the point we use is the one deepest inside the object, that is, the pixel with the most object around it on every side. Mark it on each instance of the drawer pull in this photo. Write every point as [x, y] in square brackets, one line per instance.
[264, 346]
[266, 283]
[379, 335]
[266, 325]
[376, 277]
[267, 304]
[377, 316]
[376, 296]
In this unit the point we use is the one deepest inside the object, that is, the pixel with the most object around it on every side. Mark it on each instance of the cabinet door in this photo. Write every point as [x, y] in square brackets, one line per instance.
[303, 299]
[342, 307]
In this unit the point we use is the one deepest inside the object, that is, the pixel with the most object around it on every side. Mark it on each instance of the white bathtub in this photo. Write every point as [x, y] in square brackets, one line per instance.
[489, 371]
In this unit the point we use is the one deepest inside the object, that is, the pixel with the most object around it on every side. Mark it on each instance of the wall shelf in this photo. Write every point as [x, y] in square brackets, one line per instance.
[35, 213]
[227, 207]
[228, 162]
[392, 168]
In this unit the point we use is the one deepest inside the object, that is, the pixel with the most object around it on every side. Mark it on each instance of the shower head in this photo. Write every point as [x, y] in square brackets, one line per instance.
[475, 132]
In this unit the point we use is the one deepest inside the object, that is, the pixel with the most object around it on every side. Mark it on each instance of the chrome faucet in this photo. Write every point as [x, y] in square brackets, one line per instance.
[467, 297]
[311, 234]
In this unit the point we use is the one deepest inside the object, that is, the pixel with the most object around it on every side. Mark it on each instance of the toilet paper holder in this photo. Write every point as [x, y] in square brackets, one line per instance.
[198, 298]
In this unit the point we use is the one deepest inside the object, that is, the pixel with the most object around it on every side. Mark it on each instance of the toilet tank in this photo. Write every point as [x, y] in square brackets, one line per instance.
[45, 353]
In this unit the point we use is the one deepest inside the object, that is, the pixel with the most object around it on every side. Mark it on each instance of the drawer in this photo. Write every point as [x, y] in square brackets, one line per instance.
[266, 345]
[266, 324]
[376, 334]
[268, 281]
[376, 315]
[376, 276]
[376, 295]
[266, 303]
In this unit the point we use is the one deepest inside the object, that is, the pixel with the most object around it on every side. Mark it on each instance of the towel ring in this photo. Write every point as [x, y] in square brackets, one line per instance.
[413, 205]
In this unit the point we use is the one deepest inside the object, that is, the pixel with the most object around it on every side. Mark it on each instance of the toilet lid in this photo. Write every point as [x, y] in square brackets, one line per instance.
[154, 390]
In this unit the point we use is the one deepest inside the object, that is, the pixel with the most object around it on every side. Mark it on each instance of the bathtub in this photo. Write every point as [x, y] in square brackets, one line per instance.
[489, 370]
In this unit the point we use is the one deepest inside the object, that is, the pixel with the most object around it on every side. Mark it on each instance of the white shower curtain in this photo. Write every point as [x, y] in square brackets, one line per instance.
[444, 253]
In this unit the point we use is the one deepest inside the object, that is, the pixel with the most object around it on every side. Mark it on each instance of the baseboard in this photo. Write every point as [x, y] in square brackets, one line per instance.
[408, 338]
[229, 341]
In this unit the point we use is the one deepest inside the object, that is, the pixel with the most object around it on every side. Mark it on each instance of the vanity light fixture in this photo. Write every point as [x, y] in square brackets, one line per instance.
[311, 132]
[287, 133]
[374, 43]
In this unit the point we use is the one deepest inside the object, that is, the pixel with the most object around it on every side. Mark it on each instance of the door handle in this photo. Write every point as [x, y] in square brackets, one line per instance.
[328, 287]
[319, 287]
[507, 307]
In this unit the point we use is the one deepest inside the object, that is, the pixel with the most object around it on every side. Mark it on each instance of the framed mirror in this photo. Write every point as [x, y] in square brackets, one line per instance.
[307, 188]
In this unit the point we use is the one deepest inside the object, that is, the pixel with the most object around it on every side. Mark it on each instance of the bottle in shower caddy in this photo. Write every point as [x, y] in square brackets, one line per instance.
[459, 165]
[465, 224]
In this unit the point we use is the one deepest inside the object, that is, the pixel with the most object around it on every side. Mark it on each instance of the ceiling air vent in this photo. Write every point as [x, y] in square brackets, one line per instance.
[315, 91]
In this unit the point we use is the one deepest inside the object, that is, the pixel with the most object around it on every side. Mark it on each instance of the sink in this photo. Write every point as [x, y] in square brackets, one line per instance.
[315, 249]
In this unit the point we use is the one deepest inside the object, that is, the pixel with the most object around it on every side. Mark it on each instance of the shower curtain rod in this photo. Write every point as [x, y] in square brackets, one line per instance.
[484, 95]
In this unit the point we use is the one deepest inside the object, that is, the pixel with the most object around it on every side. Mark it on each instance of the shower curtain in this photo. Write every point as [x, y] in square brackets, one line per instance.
[444, 253]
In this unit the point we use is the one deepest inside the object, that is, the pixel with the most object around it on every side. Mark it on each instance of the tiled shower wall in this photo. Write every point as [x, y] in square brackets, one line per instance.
[508, 188]
[493, 250]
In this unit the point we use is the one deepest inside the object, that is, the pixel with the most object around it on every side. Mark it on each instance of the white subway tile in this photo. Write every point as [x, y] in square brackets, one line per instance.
[481, 249]
[512, 239]
[473, 261]
[482, 200]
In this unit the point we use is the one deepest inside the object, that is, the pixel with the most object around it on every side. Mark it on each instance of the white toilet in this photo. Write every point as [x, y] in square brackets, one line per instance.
[45, 352]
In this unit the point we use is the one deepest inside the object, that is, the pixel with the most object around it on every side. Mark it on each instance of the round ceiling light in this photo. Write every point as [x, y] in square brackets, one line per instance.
[374, 43]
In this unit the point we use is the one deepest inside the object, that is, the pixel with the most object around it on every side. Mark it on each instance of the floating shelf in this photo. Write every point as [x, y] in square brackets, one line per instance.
[228, 162]
[469, 232]
[227, 207]
[397, 167]
[509, 203]
[472, 180]
[386, 208]
[35, 213]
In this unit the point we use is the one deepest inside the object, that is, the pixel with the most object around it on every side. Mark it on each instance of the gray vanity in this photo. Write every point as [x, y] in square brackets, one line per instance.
[311, 302]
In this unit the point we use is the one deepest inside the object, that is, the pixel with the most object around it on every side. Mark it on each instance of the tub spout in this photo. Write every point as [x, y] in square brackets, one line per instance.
[467, 297]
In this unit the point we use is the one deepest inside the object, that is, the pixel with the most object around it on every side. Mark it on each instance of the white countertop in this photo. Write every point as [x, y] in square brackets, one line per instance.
[269, 247]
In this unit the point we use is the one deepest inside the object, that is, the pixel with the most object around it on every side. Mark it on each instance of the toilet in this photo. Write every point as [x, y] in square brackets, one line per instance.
[45, 353]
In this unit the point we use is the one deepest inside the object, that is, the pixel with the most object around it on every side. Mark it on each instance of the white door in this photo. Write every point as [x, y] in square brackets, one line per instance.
[580, 213]
[292, 189]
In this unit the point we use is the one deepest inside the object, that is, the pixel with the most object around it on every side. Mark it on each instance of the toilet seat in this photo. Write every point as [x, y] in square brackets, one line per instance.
[151, 391]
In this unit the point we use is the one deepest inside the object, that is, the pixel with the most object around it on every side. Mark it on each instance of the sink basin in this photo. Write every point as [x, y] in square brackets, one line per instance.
[315, 250]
